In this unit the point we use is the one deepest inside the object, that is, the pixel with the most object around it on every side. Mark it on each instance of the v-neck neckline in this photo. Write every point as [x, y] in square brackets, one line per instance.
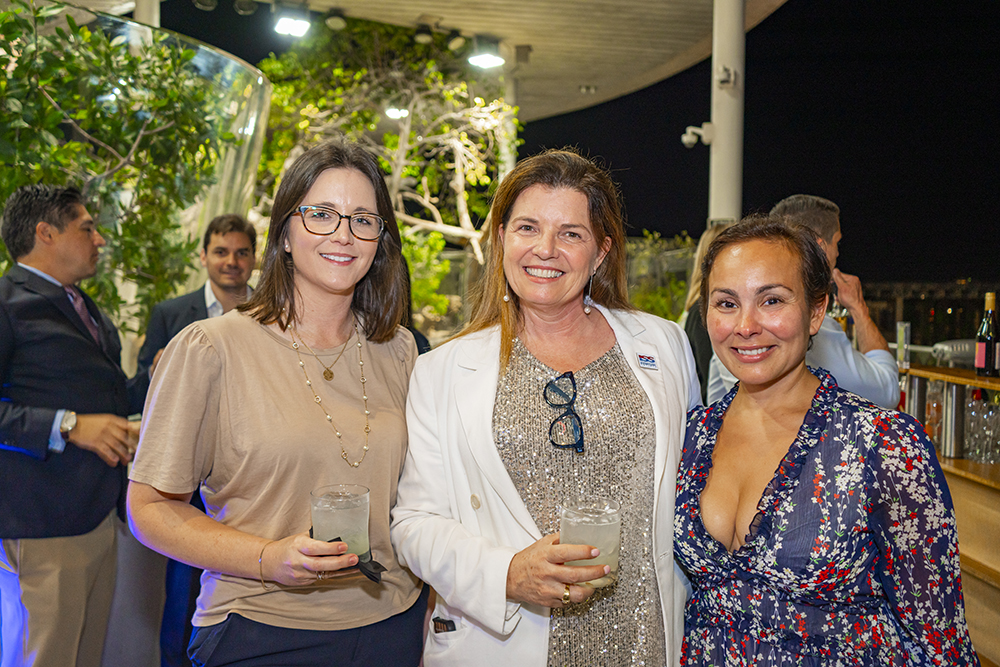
[785, 477]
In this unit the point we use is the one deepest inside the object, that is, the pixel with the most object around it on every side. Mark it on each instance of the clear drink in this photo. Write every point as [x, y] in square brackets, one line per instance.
[595, 521]
[341, 510]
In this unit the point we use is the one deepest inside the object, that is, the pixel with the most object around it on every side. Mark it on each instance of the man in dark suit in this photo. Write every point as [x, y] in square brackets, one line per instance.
[228, 252]
[64, 437]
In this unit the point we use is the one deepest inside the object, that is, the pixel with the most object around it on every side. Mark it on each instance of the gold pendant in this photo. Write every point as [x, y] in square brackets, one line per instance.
[327, 375]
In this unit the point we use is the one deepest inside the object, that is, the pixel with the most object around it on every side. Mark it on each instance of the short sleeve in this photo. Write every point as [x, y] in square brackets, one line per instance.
[913, 524]
[180, 422]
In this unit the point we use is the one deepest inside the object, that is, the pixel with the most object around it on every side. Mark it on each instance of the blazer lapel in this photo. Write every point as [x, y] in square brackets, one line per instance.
[475, 395]
[666, 404]
[55, 294]
[104, 327]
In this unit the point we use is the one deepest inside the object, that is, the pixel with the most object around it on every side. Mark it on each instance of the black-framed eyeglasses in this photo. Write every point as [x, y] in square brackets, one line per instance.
[323, 221]
[566, 431]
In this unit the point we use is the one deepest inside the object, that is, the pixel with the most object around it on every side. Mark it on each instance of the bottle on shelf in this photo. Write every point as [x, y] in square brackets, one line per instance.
[987, 340]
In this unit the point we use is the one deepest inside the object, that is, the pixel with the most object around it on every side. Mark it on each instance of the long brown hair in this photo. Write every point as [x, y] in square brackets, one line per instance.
[380, 296]
[553, 169]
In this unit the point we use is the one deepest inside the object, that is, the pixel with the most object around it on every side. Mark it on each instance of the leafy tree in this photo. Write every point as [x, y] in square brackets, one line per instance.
[134, 126]
[658, 273]
[439, 153]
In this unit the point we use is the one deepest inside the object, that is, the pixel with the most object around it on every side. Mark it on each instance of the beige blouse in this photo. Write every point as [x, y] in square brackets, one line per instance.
[228, 411]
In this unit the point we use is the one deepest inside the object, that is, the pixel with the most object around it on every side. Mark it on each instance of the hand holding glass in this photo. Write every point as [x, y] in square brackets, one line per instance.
[593, 521]
[341, 511]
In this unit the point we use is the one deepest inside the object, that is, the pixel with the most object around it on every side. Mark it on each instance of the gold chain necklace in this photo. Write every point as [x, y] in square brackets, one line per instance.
[319, 401]
[327, 370]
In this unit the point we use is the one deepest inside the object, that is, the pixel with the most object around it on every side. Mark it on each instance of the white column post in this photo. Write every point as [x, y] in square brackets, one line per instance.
[725, 181]
[147, 12]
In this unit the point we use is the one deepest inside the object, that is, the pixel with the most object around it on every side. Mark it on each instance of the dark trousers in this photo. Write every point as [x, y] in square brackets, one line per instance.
[183, 584]
[240, 642]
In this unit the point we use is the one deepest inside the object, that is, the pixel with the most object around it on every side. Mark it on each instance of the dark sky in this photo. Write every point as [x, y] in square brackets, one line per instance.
[890, 109]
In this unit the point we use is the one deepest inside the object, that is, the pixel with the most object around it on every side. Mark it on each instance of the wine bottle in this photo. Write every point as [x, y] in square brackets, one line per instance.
[987, 340]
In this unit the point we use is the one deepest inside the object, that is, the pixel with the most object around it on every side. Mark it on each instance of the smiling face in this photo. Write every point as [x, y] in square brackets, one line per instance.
[229, 261]
[759, 317]
[549, 248]
[334, 264]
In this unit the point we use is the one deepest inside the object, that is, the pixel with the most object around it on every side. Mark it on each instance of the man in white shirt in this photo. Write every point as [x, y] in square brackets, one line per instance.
[869, 371]
[228, 254]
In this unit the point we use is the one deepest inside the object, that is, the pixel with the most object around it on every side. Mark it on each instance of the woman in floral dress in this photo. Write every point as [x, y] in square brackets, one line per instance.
[816, 528]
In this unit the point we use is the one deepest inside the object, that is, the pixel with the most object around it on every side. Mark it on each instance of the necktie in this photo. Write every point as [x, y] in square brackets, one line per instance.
[81, 309]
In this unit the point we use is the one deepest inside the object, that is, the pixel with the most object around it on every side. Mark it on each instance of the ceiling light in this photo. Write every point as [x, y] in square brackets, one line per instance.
[290, 20]
[424, 34]
[335, 20]
[486, 54]
[244, 7]
[206, 5]
[455, 40]
[290, 26]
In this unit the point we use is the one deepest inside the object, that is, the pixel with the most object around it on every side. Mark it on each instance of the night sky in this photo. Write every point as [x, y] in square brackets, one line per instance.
[892, 110]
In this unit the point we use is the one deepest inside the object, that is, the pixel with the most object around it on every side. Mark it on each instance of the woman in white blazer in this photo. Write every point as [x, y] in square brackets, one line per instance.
[491, 455]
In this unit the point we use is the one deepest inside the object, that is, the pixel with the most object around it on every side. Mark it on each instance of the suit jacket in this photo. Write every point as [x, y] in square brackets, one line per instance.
[459, 520]
[49, 361]
[167, 320]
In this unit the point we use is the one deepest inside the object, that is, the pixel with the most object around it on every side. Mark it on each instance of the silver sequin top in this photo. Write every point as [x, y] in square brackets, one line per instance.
[621, 624]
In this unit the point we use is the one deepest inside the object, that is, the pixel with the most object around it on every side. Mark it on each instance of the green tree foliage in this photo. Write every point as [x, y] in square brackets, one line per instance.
[132, 125]
[423, 254]
[658, 273]
[440, 157]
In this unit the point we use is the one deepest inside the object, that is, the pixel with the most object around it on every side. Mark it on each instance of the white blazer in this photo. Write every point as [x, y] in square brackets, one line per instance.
[459, 520]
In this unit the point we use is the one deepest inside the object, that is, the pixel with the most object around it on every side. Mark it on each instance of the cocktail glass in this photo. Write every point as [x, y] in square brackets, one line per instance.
[341, 511]
[597, 522]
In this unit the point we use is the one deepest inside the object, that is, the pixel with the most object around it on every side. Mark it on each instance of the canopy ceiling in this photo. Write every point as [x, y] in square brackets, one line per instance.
[582, 52]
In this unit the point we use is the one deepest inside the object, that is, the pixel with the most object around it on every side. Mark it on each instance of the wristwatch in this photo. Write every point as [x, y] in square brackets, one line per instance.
[67, 424]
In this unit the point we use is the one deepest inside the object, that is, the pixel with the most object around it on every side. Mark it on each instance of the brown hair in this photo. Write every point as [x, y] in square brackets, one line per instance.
[230, 222]
[552, 169]
[380, 296]
[813, 265]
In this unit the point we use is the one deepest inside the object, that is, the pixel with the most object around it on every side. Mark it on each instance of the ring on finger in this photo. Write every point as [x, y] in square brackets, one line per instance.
[565, 597]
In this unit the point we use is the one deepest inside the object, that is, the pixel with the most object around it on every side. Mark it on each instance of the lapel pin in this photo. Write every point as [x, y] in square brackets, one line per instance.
[647, 362]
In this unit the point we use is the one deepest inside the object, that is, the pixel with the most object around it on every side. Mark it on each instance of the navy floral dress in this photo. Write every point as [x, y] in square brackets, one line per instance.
[852, 558]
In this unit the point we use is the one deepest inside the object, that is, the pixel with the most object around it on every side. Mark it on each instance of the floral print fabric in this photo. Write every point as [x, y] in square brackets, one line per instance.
[852, 558]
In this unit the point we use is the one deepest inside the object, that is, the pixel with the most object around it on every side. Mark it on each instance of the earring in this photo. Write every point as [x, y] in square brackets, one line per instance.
[288, 248]
[588, 302]
[506, 293]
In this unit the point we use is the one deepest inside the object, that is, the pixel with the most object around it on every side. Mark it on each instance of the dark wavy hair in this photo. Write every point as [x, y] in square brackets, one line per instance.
[801, 240]
[31, 204]
[563, 168]
[380, 296]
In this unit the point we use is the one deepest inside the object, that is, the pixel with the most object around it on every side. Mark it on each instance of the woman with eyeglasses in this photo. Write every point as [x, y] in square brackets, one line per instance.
[304, 386]
[816, 527]
[557, 387]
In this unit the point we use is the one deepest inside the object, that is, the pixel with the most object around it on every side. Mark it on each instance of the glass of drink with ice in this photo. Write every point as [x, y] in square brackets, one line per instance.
[341, 511]
[597, 522]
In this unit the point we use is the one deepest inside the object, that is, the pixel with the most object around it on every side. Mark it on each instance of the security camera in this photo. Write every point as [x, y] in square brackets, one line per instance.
[693, 133]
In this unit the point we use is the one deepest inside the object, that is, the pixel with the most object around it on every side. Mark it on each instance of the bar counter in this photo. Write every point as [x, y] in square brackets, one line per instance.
[975, 490]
